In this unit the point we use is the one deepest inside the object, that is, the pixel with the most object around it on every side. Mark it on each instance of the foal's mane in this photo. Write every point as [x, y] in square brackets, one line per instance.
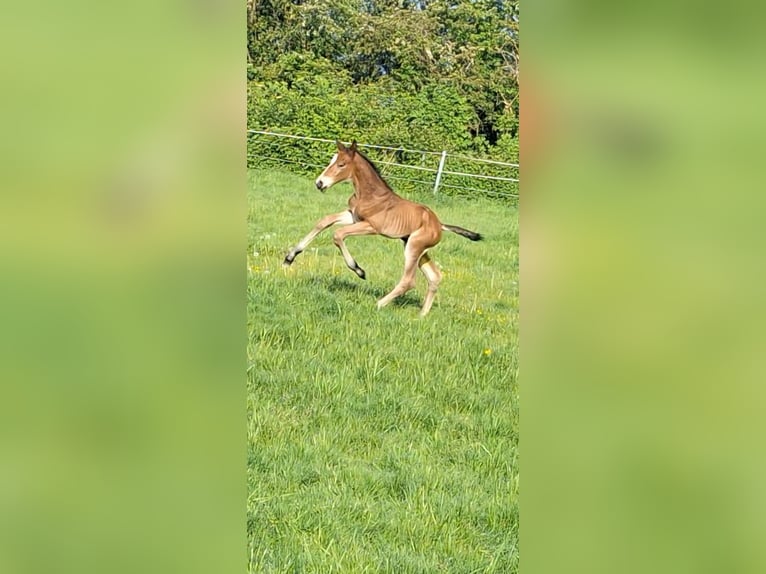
[374, 168]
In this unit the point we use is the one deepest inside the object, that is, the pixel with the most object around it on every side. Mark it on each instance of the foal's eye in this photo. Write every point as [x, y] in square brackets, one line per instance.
[341, 165]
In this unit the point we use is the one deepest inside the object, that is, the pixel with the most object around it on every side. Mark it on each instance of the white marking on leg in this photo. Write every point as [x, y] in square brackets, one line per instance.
[433, 275]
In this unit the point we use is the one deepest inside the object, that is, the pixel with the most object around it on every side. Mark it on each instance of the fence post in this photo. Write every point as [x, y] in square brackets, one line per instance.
[439, 172]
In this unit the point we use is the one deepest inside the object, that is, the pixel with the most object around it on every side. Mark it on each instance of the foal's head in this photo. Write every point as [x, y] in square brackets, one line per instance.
[340, 167]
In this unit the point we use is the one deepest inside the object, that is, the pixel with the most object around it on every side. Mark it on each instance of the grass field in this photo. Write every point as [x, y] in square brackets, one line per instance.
[379, 441]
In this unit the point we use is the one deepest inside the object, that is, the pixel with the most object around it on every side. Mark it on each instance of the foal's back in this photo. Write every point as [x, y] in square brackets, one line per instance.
[396, 217]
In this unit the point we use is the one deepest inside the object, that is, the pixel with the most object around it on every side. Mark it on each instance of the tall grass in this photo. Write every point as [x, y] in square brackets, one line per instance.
[379, 441]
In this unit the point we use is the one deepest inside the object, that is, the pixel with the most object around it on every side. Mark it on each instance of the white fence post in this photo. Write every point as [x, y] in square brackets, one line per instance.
[439, 172]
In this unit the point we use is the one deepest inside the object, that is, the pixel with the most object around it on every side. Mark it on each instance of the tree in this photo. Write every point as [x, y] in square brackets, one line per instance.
[395, 48]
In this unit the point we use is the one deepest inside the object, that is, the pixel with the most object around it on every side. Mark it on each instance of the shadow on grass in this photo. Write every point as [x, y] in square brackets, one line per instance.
[336, 284]
[407, 300]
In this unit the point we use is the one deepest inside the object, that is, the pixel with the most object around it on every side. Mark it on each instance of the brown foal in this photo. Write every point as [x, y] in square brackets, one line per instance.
[375, 209]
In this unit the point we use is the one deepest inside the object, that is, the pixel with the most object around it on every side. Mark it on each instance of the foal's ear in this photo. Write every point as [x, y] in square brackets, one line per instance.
[340, 145]
[353, 146]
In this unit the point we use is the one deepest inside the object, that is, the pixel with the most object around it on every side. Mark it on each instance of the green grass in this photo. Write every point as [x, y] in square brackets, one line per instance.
[380, 441]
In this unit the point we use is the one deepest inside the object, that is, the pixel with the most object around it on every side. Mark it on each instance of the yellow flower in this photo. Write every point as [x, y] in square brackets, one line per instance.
[487, 352]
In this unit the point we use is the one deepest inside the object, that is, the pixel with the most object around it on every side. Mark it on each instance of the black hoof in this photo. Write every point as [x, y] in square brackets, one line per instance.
[288, 260]
[360, 273]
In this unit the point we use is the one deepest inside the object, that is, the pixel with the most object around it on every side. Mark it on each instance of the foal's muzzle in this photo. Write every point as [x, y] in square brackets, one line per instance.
[320, 185]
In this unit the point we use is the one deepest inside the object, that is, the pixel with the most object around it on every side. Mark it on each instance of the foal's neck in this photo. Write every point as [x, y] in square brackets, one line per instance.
[366, 180]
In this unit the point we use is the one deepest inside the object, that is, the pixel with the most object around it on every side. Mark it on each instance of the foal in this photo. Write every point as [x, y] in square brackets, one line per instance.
[375, 209]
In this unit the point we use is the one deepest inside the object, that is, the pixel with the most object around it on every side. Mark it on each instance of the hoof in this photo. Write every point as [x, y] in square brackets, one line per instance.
[288, 260]
[360, 273]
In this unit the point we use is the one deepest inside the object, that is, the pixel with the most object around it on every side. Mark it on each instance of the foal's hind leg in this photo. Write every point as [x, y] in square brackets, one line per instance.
[434, 277]
[407, 282]
[342, 218]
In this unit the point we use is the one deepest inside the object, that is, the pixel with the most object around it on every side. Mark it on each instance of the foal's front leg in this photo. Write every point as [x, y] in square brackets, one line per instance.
[342, 218]
[360, 228]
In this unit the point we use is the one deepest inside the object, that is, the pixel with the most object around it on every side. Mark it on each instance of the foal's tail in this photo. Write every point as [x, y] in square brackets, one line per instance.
[464, 232]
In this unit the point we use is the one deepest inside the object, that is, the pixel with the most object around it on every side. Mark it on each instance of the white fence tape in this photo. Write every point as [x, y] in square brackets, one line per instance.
[440, 171]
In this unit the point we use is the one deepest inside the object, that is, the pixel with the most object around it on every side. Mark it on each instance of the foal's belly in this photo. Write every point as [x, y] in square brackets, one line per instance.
[396, 224]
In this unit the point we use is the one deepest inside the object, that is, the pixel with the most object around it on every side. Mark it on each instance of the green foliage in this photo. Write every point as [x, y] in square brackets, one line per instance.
[431, 119]
[427, 75]
[328, 105]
